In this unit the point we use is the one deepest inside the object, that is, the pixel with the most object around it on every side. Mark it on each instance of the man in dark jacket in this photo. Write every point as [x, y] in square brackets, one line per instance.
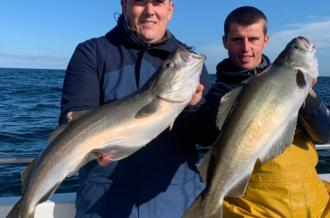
[279, 187]
[160, 180]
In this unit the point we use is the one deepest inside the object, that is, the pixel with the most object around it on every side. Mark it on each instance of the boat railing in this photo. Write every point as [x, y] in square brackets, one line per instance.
[27, 160]
[16, 160]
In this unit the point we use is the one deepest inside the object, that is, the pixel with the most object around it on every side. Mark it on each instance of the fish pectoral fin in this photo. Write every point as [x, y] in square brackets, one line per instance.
[148, 109]
[240, 187]
[25, 175]
[226, 106]
[282, 142]
[300, 79]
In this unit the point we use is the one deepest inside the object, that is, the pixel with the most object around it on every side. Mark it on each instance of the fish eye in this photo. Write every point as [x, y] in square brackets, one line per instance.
[169, 65]
[297, 47]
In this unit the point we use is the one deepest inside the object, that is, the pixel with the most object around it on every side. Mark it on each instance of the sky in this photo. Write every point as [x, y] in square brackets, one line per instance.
[43, 34]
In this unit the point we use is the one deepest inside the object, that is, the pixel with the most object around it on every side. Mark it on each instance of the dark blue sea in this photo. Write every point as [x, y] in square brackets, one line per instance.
[29, 109]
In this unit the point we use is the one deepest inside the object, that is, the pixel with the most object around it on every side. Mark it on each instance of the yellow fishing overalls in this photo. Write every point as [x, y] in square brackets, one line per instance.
[287, 186]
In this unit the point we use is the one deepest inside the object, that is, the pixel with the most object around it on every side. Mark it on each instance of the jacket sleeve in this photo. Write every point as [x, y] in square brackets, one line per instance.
[81, 87]
[199, 126]
[314, 117]
[207, 115]
[193, 125]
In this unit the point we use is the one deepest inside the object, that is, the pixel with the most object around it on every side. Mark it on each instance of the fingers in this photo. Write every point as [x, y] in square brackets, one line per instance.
[105, 159]
[314, 82]
[197, 95]
[69, 116]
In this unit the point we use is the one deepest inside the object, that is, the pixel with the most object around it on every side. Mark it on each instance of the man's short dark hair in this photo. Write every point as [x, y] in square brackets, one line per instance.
[245, 16]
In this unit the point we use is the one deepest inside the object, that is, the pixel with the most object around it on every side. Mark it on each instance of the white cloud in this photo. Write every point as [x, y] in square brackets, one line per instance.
[214, 52]
[32, 61]
[315, 31]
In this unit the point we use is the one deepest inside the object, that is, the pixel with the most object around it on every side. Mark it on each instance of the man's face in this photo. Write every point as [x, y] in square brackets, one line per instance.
[149, 18]
[245, 44]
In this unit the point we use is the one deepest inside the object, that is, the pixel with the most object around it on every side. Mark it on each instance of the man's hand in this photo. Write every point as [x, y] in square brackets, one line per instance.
[104, 159]
[314, 82]
[197, 95]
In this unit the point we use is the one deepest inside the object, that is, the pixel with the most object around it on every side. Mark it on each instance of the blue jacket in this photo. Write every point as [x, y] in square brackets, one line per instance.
[161, 179]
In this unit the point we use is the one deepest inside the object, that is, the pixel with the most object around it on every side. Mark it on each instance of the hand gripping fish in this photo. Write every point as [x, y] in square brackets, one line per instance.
[256, 122]
[119, 128]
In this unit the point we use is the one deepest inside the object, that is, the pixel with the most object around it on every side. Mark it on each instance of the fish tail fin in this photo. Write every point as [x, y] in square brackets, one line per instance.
[195, 210]
[14, 212]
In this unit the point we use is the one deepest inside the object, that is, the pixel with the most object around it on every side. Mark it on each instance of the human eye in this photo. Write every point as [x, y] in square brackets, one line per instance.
[154, 2]
[236, 39]
[138, 2]
[254, 39]
[159, 2]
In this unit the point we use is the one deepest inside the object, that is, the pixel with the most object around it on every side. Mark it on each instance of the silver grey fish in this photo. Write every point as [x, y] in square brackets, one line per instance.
[120, 128]
[257, 122]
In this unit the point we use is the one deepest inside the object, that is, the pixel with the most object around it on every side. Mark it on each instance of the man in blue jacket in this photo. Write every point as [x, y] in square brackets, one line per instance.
[160, 180]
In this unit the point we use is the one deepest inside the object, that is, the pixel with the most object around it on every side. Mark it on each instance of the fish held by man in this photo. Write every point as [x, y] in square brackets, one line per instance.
[119, 128]
[257, 122]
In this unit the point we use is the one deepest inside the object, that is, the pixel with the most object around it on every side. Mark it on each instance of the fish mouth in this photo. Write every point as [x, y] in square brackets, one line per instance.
[188, 56]
[306, 43]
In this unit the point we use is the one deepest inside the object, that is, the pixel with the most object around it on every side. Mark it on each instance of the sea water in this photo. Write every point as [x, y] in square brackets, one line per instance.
[29, 110]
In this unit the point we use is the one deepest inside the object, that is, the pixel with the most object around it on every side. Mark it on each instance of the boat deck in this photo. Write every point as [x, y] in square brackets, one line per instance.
[60, 205]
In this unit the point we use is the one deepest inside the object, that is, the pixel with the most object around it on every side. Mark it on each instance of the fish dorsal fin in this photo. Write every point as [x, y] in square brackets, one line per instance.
[25, 175]
[226, 105]
[204, 165]
[284, 140]
[148, 109]
[74, 115]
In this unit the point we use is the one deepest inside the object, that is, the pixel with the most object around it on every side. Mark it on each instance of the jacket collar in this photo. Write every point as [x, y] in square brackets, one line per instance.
[228, 73]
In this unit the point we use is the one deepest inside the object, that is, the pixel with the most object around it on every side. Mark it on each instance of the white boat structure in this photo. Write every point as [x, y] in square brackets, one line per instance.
[62, 205]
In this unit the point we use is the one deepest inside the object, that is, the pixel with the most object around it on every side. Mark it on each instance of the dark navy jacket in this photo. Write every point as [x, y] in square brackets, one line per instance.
[314, 115]
[161, 179]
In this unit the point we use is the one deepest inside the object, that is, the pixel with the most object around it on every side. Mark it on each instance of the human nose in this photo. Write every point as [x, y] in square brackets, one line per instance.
[149, 8]
[245, 44]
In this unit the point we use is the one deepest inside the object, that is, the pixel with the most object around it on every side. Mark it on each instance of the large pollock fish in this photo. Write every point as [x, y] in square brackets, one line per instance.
[119, 128]
[257, 122]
